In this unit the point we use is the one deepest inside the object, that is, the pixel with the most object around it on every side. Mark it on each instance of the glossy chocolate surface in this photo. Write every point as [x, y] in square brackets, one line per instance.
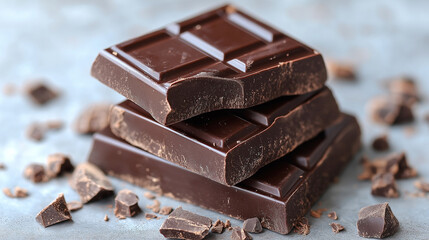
[274, 194]
[221, 59]
[229, 146]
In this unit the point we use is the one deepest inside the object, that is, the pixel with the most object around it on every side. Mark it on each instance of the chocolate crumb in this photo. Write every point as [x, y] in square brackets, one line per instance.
[301, 226]
[377, 221]
[54, 213]
[165, 210]
[58, 164]
[106, 218]
[333, 215]
[380, 143]
[317, 213]
[252, 225]
[405, 89]
[36, 131]
[36, 173]
[148, 195]
[390, 111]
[218, 227]
[93, 119]
[422, 186]
[384, 185]
[228, 224]
[2, 166]
[149, 216]
[74, 205]
[40, 93]
[342, 71]
[336, 228]
[240, 234]
[126, 204]
[8, 193]
[155, 206]
[54, 124]
[20, 192]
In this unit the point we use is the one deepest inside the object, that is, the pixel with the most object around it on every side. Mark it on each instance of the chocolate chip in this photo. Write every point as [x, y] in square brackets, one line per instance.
[182, 224]
[36, 173]
[388, 110]
[240, 234]
[404, 88]
[218, 227]
[74, 205]
[126, 204]
[165, 210]
[252, 225]
[333, 215]
[377, 221]
[149, 216]
[36, 131]
[422, 186]
[301, 226]
[342, 71]
[336, 228]
[54, 213]
[90, 183]
[93, 119]
[148, 195]
[154, 206]
[40, 93]
[57, 164]
[384, 185]
[380, 143]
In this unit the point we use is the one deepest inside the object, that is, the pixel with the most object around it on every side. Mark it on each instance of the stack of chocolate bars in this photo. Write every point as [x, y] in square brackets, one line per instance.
[226, 113]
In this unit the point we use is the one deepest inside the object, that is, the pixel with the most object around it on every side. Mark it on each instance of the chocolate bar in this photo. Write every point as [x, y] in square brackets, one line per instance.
[278, 194]
[221, 59]
[229, 146]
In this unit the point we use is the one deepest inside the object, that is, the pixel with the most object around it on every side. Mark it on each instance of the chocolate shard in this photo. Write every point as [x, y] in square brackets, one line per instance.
[342, 71]
[149, 216]
[377, 221]
[36, 173]
[54, 213]
[94, 118]
[165, 210]
[384, 185]
[228, 224]
[395, 163]
[57, 164]
[336, 227]
[301, 226]
[390, 111]
[36, 131]
[380, 143]
[40, 93]
[252, 225]
[155, 206]
[405, 89]
[126, 204]
[90, 183]
[240, 234]
[218, 227]
[182, 224]
[74, 205]
[20, 192]
[333, 215]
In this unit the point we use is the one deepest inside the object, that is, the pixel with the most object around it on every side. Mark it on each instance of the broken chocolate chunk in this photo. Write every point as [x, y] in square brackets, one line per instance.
[126, 204]
[74, 205]
[405, 89]
[422, 186]
[301, 226]
[155, 206]
[333, 215]
[182, 224]
[40, 93]
[336, 227]
[93, 119]
[149, 216]
[395, 163]
[228, 224]
[36, 173]
[342, 71]
[384, 185]
[58, 164]
[55, 212]
[380, 143]
[252, 225]
[240, 234]
[388, 110]
[165, 210]
[90, 183]
[218, 226]
[148, 195]
[36, 131]
[377, 221]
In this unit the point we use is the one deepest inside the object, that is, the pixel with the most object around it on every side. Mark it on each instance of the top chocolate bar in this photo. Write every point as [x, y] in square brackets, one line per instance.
[221, 59]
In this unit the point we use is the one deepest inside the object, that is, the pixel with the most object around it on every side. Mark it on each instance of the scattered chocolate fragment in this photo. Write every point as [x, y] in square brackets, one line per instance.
[388, 110]
[218, 227]
[8, 193]
[384, 185]
[58, 164]
[228, 224]
[182, 224]
[301, 226]
[404, 88]
[380, 143]
[148, 195]
[36, 131]
[149, 216]
[252, 225]
[55, 212]
[106, 218]
[40, 93]
[377, 221]
[36, 173]
[90, 183]
[20, 192]
[93, 119]
[74, 205]
[342, 71]
[165, 210]
[395, 163]
[155, 206]
[240, 234]
[126, 204]
[317, 213]
[333, 215]
[54, 124]
[336, 227]
[422, 186]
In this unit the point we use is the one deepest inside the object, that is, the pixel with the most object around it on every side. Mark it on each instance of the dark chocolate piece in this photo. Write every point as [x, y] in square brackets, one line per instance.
[388, 110]
[182, 224]
[218, 227]
[57, 164]
[54, 213]
[149, 195]
[149, 216]
[165, 210]
[36, 173]
[40, 93]
[36, 131]
[395, 163]
[126, 204]
[74, 205]
[90, 183]
[405, 89]
[384, 185]
[229, 146]
[252, 225]
[377, 221]
[342, 71]
[271, 195]
[380, 143]
[422, 186]
[221, 59]
[301, 226]
[333, 215]
[336, 227]
[94, 118]
[240, 234]
[228, 224]
[154, 206]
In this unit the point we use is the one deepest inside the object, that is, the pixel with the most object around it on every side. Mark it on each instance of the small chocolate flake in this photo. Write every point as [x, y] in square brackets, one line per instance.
[40, 93]
[155, 206]
[252, 225]
[395, 163]
[8, 193]
[20, 192]
[36, 131]
[387, 110]
[336, 228]
[165, 210]
[228, 224]
[380, 143]
[54, 213]
[93, 119]
[106, 218]
[149, 216]
[317, 213]
[384, 185]
[422, 186]
[218, 227]
[301, 226]
[148, 195]
[36, 173]
[333, 215]
[57, 164]
[74, 205]
[377, 221]
[126, 204]
[342, 71]
[240, 234]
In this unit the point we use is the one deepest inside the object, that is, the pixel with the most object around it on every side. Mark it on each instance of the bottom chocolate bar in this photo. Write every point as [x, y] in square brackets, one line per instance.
[278, 194]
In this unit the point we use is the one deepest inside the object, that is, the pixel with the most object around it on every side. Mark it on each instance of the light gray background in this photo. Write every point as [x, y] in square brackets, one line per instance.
[58, 40]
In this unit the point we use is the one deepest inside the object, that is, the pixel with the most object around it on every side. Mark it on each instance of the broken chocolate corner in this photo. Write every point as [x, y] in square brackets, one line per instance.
[333, 215]
[58, 163]
[182, 224]
[40, 92]
[342, 71]
[384, 185]
[94, 118]
[390, 111]
[74, 205]
[377, 221]
[126, 204]
[380, 143]
[301, 226]
[165, 210]
[218, 226]
[36, 173]
[240, 234]
[54, 213]
[90, 183]
[336, 227]
[252, 225]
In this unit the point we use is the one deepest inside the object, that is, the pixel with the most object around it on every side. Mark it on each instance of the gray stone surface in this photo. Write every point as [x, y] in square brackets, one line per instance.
[58, 40]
